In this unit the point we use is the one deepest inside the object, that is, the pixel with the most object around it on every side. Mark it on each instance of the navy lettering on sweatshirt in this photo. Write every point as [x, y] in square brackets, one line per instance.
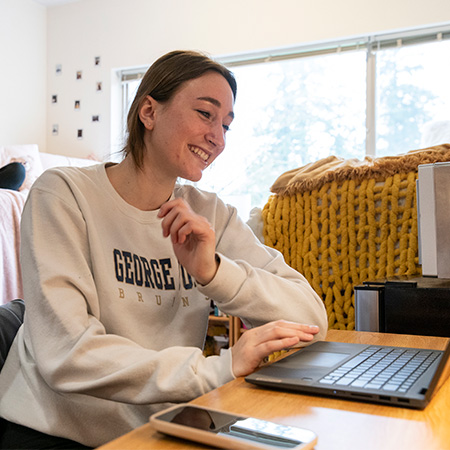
[150, 273]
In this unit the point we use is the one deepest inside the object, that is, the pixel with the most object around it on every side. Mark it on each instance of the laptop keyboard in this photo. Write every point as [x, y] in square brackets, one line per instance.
[385, 368]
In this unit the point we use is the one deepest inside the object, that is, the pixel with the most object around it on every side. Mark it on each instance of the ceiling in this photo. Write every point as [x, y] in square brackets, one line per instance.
[54, 2]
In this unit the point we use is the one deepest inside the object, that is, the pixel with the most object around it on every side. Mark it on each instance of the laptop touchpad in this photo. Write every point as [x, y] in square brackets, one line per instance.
[313, 359]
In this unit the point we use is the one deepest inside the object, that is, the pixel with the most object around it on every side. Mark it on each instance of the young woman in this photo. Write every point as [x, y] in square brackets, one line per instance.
[120, 264]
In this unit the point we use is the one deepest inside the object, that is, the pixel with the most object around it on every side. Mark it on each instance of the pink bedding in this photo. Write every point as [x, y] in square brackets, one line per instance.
[11, 205]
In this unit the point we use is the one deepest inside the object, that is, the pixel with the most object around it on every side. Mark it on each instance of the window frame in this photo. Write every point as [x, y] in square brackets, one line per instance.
[371, 43]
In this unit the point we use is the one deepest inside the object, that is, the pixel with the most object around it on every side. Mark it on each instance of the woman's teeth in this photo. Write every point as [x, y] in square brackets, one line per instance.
[199, 152]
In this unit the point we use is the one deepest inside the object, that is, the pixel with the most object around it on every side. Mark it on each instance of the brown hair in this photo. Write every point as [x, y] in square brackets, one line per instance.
[162, 80]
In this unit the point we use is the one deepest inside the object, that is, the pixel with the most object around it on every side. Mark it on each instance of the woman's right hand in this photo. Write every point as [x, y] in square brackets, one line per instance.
[257, 343]
[193, 239]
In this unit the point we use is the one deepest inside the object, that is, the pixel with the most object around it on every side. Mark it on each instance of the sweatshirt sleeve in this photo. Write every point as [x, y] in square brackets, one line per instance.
[63, 333]
[254, 283]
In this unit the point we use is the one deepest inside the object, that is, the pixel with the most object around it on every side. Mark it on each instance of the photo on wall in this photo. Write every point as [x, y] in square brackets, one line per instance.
[80, 134]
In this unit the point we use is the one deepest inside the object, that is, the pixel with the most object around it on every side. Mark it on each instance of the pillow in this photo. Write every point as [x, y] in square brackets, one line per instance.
[255, 222]
[29, 156]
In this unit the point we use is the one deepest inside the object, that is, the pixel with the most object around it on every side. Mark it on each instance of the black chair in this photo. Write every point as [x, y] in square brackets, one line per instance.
[11, 318]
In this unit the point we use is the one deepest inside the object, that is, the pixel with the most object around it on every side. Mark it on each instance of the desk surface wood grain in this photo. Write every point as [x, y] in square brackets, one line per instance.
[339, 424]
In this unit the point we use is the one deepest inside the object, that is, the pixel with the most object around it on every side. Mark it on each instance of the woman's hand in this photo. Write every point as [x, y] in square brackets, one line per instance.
[193, 239]
[257, 343]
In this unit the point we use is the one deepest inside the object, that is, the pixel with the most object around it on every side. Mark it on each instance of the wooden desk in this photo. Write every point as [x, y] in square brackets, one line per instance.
[339, 424]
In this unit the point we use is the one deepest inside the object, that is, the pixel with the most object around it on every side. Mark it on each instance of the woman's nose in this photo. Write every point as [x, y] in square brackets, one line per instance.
[216, 136]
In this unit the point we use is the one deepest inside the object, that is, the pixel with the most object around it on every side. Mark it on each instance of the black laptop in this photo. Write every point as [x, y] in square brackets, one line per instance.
[398, 376]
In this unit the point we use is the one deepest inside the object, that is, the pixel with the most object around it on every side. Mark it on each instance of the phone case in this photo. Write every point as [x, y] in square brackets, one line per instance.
[213, 439]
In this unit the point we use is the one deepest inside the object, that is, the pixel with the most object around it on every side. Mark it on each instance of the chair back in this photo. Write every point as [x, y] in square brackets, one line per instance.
[11, 318]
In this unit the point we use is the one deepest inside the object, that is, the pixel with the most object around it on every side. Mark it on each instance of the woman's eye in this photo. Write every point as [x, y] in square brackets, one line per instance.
[204, 113]
[226, 127]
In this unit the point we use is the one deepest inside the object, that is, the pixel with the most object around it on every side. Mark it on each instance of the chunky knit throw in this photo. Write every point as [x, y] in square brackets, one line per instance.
[342, 222]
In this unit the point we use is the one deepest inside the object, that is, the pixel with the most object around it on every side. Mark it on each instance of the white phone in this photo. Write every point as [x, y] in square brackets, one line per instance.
[230, 431]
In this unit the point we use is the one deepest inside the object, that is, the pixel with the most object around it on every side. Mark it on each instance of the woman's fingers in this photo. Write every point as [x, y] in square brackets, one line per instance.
[283, 328]
[256, 344]
[174, 215]
[179, 221]
[192, 237]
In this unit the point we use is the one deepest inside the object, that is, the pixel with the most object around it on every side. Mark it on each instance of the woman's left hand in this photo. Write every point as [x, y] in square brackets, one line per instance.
[193, 239]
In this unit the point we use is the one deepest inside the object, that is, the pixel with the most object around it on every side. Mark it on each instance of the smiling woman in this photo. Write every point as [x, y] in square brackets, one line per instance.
[137, 259]
[160, 83]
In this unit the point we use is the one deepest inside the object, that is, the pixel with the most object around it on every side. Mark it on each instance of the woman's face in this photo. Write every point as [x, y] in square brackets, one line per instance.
[186, 134]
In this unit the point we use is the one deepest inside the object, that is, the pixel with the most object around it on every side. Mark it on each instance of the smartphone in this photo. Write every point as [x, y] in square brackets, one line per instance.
[230, 431]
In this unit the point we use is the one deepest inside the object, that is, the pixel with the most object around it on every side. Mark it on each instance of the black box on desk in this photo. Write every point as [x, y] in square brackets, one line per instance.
[406, 306]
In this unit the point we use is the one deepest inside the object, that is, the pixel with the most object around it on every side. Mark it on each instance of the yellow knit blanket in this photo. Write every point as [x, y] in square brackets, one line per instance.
[341, 222]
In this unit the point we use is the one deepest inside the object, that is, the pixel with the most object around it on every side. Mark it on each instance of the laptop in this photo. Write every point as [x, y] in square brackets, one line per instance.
[399, 376]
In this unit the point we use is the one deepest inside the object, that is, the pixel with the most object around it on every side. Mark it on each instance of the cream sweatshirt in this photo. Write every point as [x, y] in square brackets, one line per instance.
[114, 326]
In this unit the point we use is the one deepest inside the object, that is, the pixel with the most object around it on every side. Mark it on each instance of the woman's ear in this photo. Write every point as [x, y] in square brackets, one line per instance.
[147, 112]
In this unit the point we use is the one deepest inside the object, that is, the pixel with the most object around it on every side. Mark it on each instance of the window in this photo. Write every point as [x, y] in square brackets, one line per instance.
[363, 96]
[290, 113]
[412, 90]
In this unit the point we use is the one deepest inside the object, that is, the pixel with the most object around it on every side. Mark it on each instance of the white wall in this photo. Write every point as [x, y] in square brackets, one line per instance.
[23, 68]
